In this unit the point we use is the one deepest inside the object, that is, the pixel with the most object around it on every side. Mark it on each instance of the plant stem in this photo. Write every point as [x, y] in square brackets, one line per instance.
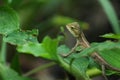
[39, 68]
[3, 53]
[93, 72]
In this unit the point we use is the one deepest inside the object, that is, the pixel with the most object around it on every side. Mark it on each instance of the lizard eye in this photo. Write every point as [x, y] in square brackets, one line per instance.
[72, 27]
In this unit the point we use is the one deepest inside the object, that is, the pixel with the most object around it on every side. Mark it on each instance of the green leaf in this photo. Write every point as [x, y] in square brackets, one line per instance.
[47, 49]
[35, 49]
[111, 35]
[63, 49]
[21, 37]
[108, 8]
[77, 67]
[9, 74]
[50, 45]
[98, 47]
[8, 20]
[111, 56]
[109, 51]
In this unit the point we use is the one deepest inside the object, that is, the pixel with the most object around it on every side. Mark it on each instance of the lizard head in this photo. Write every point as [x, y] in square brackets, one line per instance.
[74, 29]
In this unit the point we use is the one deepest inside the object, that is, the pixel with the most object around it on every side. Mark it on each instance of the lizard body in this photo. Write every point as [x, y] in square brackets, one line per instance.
[81, 40]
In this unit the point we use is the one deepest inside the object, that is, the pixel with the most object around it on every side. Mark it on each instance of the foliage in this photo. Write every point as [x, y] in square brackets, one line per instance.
[26, 41]
[9, 74]
[7, 15]
[107, 6]
[111, 35]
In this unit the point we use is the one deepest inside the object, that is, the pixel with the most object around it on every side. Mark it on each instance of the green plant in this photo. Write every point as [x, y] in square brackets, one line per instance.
[26, 42]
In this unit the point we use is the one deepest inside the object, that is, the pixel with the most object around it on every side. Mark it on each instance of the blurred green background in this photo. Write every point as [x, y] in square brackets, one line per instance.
[49, 15]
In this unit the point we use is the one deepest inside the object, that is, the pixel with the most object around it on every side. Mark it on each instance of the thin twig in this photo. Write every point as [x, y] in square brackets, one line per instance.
[3, 53]
[40, 68]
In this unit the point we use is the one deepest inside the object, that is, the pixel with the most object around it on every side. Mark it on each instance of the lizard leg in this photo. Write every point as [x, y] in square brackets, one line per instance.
[103, 72]
[71, 51]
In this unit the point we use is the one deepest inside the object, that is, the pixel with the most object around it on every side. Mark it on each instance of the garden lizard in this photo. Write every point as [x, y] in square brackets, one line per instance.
[75, 30]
